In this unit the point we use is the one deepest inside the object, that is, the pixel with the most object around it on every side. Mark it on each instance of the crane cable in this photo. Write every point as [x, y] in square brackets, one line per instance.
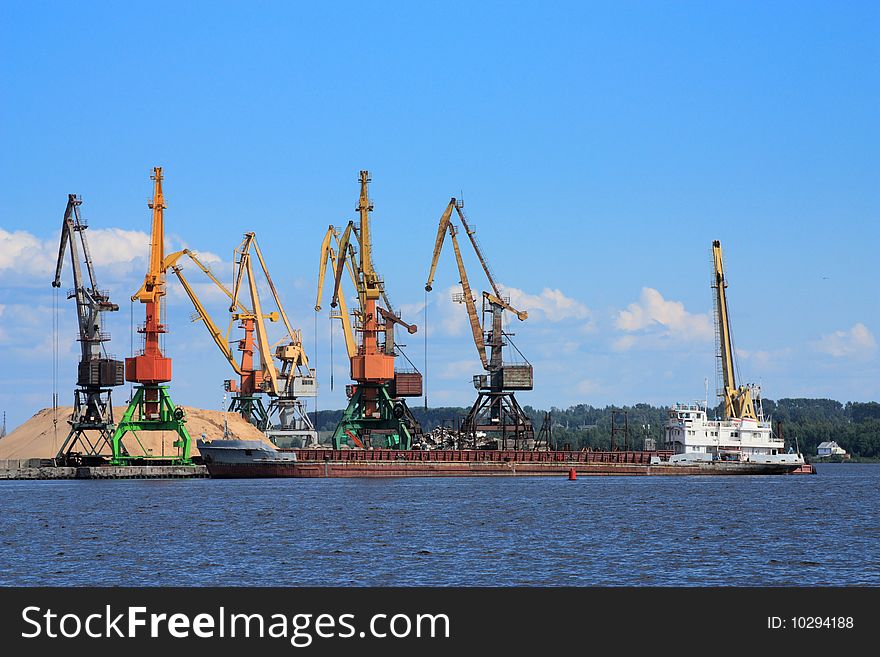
[55, 321]
[131, 343]
[331, 352]
[425, 366]
[315, 361]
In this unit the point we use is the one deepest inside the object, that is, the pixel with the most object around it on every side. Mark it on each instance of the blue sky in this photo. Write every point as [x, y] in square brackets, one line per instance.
[599, 147]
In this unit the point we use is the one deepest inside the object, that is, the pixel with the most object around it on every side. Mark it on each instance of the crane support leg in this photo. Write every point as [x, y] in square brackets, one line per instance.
[251, 408]
[500, 417]
[390, 426]
[151, 409]
[91, 428]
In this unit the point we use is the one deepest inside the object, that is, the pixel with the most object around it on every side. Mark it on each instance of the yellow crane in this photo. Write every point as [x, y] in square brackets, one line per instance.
[295, 379]
[738, 400]
[245, 400]
[496, 409]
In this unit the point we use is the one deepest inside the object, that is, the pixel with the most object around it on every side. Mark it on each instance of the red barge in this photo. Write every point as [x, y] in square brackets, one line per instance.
[254, 459]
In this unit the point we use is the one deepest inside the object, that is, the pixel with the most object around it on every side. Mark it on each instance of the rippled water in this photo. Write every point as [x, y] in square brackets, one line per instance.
[789, 530]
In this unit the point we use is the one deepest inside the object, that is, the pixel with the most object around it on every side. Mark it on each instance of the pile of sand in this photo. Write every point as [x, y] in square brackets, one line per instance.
[41, 436]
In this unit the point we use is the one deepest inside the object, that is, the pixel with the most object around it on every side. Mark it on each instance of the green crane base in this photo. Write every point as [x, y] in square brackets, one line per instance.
[170, 418]
[251, 408]
[395, 423]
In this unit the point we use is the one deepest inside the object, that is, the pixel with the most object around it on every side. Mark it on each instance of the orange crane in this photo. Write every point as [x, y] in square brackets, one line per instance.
[496, 410]
[151, 408]
[377, 414]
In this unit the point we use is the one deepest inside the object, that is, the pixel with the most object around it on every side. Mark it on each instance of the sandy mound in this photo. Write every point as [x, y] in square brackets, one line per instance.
[40, 437]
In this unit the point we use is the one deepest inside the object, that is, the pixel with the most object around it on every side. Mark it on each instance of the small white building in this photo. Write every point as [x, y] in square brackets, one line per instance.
[830, 448]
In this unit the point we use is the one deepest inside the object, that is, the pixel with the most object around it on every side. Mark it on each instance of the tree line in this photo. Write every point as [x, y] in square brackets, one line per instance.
[855, 426]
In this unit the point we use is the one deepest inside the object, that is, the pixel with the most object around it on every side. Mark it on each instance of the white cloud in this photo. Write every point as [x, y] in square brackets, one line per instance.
[654, 315]
[587, 387]
[460, 369]
[110, 246]
[857, 342]
[550, 304]
[624, 343]
[452, 318]
[23, 253]
[26, 258]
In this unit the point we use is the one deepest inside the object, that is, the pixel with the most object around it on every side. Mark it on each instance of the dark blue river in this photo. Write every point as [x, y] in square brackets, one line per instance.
[619, 531]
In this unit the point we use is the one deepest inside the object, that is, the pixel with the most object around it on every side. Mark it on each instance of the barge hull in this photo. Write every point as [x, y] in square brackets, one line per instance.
[311, 464]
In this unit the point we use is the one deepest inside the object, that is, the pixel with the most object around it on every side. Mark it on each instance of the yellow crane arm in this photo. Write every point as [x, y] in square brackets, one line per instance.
[202, 314]
[322, 268]
[738, 402]
[346, 259]
[521, 315]
[468, 299]
[172, 260]
[294, 335]
[470, 233]
[438, 244]
[365, 206]
[328, 257]
[389, 316]
[270, 373]
[153, 285]
[345, 318]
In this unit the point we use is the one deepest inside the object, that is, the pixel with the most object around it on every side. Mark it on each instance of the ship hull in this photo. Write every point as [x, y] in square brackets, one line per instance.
[313, 464]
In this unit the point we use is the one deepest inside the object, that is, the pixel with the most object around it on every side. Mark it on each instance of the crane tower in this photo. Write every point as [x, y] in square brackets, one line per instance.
[496, 411]
[91, 425]
[151, 408]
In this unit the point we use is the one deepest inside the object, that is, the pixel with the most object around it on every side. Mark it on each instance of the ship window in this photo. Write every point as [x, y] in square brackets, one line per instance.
[735, 434]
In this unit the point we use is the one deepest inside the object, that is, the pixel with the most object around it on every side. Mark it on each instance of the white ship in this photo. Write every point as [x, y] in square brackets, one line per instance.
[742, 434]
[694, 437]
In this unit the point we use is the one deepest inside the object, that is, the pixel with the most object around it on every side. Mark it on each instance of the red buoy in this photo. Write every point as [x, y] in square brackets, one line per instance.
[572, 475]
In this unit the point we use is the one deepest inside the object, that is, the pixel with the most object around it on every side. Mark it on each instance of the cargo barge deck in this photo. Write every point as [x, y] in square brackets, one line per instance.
[329, 463]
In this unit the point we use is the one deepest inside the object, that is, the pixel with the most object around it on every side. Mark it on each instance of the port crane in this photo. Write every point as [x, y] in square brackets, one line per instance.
[739, 401]
[377, 414]
[151, 408]
[496, 410]
[246, 400]
[286, 387]
[91, 425]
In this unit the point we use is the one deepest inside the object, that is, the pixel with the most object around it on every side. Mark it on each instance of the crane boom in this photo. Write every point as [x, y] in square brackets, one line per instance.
[471, 232]
[328, 256]
[219, 338]
[521, 315]
[438, 243]
[90, 301]
[365, 206]
[246, 268]
[154, 282]
[468, 299]
[738, 402]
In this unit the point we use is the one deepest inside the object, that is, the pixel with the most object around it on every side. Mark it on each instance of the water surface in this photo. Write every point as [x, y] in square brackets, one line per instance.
[621, 531]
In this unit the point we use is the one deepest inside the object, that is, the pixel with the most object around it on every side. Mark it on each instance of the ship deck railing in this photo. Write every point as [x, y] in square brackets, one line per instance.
[477, 455]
